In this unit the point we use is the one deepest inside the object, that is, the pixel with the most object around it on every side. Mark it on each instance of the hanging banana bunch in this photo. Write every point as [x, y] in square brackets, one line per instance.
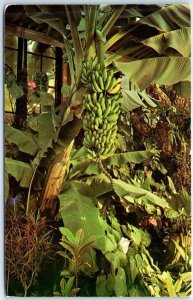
[101, 109]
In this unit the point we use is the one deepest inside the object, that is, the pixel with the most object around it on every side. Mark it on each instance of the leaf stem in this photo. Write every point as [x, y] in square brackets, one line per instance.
[29, 190]
[112, 20]
[98, 160]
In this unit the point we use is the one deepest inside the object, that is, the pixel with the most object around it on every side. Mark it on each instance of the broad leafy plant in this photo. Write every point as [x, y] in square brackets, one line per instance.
[115, 212]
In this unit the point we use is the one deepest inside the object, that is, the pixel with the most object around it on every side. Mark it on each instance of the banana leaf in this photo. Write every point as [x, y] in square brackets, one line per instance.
[45, 17]
[169, 17]
[130, 157]
[177, 39]
[162, 70]
[123, 189]
[24, 140]
[45, 136]
[21, 171]
[132, 100]
[78, 210]
[184, 88]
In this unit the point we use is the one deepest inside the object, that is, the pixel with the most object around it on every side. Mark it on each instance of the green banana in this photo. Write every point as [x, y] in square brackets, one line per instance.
[99, 110]
[113, 104]
[103, 106]
[98, 67]
[111, 85]
[109, 79]
[100, 79]
[96, 74]
[95, 85]
[116, 109]
[101, 97]
[107, 111]
[112, 117]
[94, 98]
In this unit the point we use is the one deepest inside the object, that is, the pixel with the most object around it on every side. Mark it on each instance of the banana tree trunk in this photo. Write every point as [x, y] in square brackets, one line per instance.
[49, 201]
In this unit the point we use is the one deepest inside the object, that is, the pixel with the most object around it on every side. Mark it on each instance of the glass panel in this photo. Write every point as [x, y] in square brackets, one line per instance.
[33, 65]
[50, 51]
[48, 67]
[11, 41]
[11, 59]
[33, 46]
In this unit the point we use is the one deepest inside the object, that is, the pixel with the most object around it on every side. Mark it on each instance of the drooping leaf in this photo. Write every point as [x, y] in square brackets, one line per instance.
[184, 88]
[78, 154]
[120, 142]
[117, 258]
[120, 283]
[68, 235]
[123, 189]
[133, 268]
[63, 254]
[21, 171]
[139, 261]
[186, 277]
[164, 70]
[15, 89]
[134, 99]
[101, 286]
[78, 211]
[79, 237]
[69, 131]
[32, 122]
[42, 98]
[45, 17]
[68, 286]
[130, 157]
[148, 99]
[131, 100]
[66, 90]
[177, 39]
[169, 285]
[169, 18]
[91, 239]
[180, 250]
[110, 243]
[138, 290]
[87, 167]
[100, 185]
[24, 140]
[46, 129]
[76, 201]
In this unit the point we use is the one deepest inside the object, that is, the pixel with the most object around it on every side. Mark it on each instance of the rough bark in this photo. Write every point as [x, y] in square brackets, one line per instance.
[57, 171]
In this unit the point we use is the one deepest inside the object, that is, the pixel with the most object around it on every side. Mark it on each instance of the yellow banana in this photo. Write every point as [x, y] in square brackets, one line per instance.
[115, 90]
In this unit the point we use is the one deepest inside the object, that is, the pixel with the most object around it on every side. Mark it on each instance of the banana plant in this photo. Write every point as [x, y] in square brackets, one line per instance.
[161, 44]
[111, 35]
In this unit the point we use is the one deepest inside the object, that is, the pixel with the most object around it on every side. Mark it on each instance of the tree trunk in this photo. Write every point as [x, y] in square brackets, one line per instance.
[49, 203]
